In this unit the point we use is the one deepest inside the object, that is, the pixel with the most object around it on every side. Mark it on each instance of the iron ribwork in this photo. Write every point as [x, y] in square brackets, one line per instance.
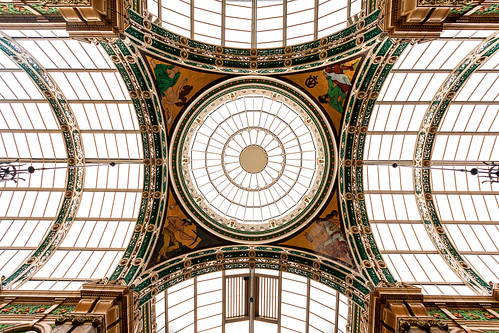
[12, 170]
[488, 171]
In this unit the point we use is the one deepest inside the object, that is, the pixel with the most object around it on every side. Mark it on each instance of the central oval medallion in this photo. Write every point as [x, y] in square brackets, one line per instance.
[253, 159]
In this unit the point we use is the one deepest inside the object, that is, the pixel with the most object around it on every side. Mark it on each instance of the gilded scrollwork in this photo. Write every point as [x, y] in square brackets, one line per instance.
[97, 321]
[61, 3]
[444, 3]
[406, 324]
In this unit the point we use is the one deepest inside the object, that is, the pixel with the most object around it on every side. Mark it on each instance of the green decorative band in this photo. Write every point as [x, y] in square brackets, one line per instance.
[31, 9]
[322, 185]
[474, 315]
[438, 314]
[74, 151]
[168, 274]
[62, 309]
[154, 149]
[252, 61]
[374, 72]
[462, 9]
[356, 321]
[23, 309]
[443, 3]
[423, 150]
[146, 318]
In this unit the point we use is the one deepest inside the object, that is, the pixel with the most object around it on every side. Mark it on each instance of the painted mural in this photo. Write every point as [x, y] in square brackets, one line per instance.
[172, 88]
[329, 85]
[177, 85]
[338, 85]
[178, 232]
[324, 237]
[180, 235]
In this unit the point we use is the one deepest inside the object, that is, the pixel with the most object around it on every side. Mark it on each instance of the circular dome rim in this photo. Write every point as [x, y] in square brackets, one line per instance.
[327, 179]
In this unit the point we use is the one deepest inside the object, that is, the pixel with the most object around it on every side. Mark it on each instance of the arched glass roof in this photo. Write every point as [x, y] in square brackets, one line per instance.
[467, 135]
[105, 214]
[254, 23]
[218, 302]
[104, 218]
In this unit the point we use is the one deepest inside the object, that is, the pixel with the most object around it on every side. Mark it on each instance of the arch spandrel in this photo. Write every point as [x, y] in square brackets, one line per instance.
[177, 86]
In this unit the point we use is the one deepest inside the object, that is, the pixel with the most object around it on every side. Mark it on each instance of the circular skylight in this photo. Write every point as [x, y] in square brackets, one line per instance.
[252, 159]
[260, 171]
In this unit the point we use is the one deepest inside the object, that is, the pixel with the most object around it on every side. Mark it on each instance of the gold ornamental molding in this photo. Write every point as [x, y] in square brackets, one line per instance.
[444, 3]
[83, 19]
[61, 3]
[402, 308]
[421, 324]
[426, 19]
[98, 307]
[97, 321]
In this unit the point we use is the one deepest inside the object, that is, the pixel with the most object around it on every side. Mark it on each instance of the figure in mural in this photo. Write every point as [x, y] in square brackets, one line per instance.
[177, 233]
[328, 237]
[172, 89]
[338, 86]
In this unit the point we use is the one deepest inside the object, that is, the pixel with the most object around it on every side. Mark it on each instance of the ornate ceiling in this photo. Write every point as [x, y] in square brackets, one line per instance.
[349, 104]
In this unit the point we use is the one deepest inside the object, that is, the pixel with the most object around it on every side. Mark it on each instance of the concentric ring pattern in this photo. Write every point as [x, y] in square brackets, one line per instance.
[253, 159]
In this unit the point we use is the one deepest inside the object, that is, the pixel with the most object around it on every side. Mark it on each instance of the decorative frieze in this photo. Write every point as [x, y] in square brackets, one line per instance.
[402, 308]
[426, 19]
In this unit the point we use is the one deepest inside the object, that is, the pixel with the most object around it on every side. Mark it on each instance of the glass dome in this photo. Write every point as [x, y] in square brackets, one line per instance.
[253, 159]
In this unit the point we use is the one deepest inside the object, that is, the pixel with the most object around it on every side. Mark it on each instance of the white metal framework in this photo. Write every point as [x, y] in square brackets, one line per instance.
[467, 208]
[254, 23]
[28, 130]
[220, 302]
[253, 159]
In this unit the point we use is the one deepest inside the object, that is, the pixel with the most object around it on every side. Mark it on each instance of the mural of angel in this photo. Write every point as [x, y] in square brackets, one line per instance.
[338, 86]
[326, 236]
[172, 88]
[177, 234]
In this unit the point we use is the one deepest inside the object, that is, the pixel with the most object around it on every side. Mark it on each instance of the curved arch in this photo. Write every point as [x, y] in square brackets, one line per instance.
[375, 71]
[152, 126]
[73, 142]
[422, 158]
[342, 44]
[179, 269]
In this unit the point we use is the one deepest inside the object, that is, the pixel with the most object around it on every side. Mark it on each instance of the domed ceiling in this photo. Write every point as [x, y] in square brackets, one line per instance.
[252, 159]
[233, 156]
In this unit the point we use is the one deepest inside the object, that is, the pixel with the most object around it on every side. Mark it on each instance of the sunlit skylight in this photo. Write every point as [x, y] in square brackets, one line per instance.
[468, 134]
[253, 159]
[28, 130]
[257, 23]
[208, 302]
